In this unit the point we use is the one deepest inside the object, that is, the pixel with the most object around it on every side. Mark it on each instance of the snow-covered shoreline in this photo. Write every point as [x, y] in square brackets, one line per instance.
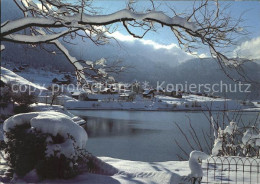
[166, 110]
[163, 103]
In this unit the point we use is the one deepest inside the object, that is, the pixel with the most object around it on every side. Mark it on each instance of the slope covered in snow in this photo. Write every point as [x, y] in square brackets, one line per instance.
[12, 78]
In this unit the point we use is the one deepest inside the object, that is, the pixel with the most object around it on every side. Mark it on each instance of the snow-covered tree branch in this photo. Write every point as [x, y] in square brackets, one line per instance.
[32, 39]
[45, 21]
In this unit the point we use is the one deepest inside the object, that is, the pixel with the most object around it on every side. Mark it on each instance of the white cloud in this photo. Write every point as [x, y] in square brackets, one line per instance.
[203, 55]
[157, 45]
[164, 49]
[119, 36]
[128, 48]
[249, 49]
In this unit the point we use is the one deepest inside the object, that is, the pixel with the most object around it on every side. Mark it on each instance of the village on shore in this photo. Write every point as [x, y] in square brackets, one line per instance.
[112, 95]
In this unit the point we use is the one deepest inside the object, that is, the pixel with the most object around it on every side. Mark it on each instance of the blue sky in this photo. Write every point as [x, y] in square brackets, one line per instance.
[163, 43]
[164, 36]
[250, 10]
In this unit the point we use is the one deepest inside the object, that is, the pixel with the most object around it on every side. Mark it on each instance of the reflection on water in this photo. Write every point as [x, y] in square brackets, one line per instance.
[143, 135]
[106, 127]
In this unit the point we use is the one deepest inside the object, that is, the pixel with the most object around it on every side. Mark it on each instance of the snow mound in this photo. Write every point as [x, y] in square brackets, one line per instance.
[57, 108]
[53, 123]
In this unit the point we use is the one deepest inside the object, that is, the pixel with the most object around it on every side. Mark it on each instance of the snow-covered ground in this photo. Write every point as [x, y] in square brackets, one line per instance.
[34, 81]
[12, 78]
[170, 172]
[160, 102]
[41, 77]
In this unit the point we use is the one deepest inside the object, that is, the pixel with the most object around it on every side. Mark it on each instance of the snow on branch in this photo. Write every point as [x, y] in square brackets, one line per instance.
[78, 67]
[95, 70]
[127, 15]
[79, 19]
[35, 38]
[26, 22]
[202, 26]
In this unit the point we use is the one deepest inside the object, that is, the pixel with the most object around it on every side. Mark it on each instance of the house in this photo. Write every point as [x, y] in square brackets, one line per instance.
[124, 96]
[75, 95]
[127, 96]
[148, 93]
[108, 91]
[55, 80]
[173, 93]
[61, 81]
[82, 96]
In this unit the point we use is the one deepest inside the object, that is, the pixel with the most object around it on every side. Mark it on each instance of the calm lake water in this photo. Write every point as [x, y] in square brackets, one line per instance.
[145, 135]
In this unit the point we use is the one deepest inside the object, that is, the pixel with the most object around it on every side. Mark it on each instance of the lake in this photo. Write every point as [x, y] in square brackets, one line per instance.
[148, 135]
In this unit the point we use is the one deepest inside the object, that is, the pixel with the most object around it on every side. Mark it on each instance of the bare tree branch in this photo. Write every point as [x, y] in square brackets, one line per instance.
[207, 24]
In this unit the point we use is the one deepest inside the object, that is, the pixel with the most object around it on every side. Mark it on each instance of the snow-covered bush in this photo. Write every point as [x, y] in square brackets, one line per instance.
[6, 103]
[5, 96]
[49, 142]
[237, 141]
[24, 98]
